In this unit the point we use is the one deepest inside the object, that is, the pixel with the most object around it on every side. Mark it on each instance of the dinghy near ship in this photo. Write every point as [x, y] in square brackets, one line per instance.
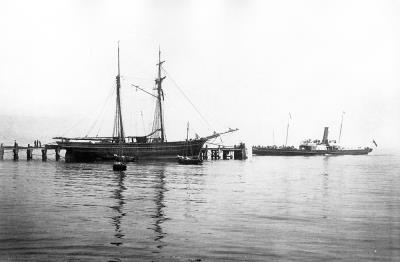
[153, 146]
[187, 158]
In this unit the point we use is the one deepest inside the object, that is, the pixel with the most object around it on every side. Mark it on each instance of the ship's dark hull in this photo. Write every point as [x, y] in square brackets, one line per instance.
[88, 152]
[298, 152]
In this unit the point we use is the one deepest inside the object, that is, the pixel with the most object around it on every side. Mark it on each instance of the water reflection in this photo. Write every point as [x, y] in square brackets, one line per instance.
[283, 198]
[325, 187]
[325, 165]
[118, 208]
[159, 204]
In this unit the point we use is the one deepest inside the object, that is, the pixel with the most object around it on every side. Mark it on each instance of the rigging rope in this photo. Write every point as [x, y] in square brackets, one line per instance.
[101, 125]
[83, 117]
[101, 112]
[187, 98]
[73, 126]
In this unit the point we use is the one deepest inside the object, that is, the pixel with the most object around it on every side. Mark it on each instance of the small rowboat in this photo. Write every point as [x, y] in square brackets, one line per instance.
[185, 160]
[119, 166]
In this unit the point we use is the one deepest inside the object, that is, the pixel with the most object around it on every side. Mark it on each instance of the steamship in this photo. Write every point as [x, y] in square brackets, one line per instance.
[153, 146]
[310, 148]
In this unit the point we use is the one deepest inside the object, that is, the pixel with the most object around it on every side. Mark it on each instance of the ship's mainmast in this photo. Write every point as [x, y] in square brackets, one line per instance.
[160, 95]
[118, 125]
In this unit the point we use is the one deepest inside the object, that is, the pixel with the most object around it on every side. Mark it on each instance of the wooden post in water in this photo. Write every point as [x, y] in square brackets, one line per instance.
[215, 154]
[1, 151]
[203, 153]
[15, 151]
[29, 153]
[212, 154]
[225, 154]
[244, 155]
[44, 154]
[237, 155]
[57, 153]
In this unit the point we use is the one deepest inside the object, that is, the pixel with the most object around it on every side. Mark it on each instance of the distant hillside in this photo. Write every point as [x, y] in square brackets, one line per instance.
[25, 129]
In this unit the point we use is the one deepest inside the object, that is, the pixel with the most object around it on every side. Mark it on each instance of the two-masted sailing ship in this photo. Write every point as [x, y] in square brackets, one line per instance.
[153, 146]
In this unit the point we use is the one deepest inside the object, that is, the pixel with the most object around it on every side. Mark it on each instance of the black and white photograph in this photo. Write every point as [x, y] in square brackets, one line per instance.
[199, 130]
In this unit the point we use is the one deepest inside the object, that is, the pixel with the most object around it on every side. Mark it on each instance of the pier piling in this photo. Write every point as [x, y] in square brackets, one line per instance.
[204, 153]
[57, 153]
[44, 154]
[29, 153]
[215, 154]
[225, 154]
[240, 154]
[15, 153]
[1, 151]
[30, 149]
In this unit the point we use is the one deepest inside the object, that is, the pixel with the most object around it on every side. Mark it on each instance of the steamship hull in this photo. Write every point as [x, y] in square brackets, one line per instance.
[89, 152]
[298, 152]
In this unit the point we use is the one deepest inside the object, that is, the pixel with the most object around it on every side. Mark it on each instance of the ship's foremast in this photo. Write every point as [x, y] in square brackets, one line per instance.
[160, 96]
[118, 124]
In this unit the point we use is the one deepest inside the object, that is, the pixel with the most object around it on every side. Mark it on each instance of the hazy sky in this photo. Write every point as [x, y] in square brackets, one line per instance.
[244, 64]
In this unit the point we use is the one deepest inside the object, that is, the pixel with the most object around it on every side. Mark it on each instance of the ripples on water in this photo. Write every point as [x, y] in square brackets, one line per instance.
[343, 208]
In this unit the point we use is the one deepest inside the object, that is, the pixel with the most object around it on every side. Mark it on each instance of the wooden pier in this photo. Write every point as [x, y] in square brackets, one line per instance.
[29, 150]
[237, 152]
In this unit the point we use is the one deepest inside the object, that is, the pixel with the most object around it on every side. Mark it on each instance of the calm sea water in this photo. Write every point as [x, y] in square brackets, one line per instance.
[344, 208]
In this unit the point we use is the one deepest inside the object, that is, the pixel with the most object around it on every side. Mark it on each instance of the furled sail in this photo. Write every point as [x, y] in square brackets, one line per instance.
[158, 132]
